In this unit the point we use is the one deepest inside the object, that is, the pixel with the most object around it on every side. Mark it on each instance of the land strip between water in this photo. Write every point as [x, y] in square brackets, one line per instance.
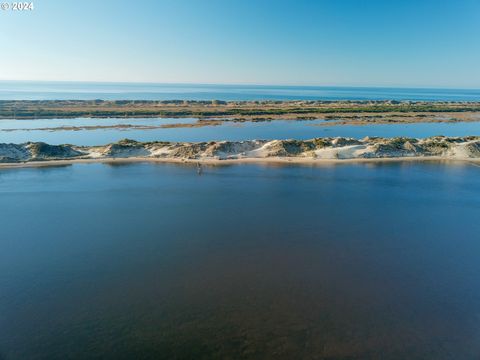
[313, 150]
[207, 112]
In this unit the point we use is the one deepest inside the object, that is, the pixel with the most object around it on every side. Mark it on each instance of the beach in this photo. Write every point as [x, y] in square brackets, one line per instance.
[315, 150]
[216, 162]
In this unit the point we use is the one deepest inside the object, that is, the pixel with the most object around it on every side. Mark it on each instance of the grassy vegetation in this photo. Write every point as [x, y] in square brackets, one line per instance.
[215, 108]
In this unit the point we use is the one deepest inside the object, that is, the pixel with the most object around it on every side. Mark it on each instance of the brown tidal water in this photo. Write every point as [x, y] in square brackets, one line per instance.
[145, 261]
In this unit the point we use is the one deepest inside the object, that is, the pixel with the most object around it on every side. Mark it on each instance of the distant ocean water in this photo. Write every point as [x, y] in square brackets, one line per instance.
[23, 90]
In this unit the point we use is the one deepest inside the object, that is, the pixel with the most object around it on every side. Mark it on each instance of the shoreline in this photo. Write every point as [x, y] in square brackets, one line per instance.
[313, 151]
[271, 160]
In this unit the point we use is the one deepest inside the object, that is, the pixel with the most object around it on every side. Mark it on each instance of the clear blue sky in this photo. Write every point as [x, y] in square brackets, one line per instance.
[423, 43]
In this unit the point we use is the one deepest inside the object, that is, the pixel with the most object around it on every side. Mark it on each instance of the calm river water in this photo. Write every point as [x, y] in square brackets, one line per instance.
[19, 131]
[144, 261]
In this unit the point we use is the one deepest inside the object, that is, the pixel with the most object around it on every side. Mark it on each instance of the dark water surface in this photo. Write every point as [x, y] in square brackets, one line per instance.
[146, 261]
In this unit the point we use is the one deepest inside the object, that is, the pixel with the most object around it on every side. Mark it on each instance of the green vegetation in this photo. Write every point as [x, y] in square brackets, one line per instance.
[247, 110]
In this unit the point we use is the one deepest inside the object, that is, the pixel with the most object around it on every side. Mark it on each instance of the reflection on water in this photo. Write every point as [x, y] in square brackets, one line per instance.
[375, 261]
[53, 124]
[278, 129]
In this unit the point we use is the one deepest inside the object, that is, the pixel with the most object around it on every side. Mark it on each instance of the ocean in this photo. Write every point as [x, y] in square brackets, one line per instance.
[28, 90]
